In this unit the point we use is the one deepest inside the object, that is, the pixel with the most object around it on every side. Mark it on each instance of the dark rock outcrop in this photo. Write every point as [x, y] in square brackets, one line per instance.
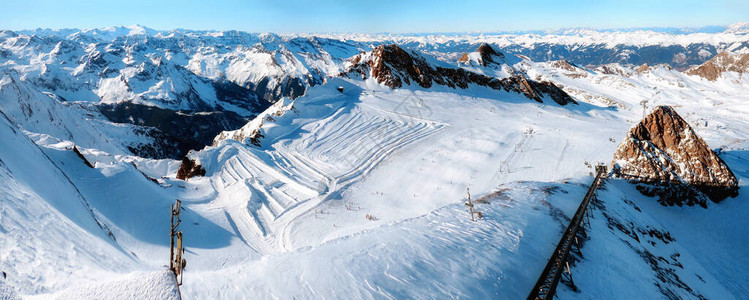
[486, 55]
[80, 155]
[665, 153]
[392, 66]
[189, 168]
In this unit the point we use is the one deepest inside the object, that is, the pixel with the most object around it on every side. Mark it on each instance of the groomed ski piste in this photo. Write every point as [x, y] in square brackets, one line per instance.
[288, 219]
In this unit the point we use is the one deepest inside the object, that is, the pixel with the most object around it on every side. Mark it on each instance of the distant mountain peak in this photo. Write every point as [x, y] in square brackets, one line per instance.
[483, 56]
[723, 62]
[738, 28]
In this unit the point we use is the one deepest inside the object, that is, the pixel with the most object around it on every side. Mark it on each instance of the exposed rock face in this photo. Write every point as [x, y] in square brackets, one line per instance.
[614, 69]
[189, 168]
[569, 69]
[565, 65]
[81, 156]
[645, 68]
[723, 62]
[642, 68]
[664, 150]
[485, 56]
[392, 66]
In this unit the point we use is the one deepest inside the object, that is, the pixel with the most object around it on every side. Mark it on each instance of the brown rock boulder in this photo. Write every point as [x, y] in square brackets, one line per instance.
[189, 168]
[663, 149]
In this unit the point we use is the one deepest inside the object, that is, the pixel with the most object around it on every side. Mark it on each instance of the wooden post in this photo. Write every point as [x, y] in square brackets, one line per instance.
[176, 263]
[178, 258]
[171, 237]
[470, 205]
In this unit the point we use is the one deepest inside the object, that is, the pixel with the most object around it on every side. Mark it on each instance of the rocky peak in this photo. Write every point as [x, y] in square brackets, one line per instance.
[645, 68]
[565, 65]
[483, 56]
[723, 62]
[568, 69]
[613, 69]
[392, 66]
[663, 149]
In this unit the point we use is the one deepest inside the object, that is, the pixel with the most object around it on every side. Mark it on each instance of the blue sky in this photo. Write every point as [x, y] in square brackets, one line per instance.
[282, 16]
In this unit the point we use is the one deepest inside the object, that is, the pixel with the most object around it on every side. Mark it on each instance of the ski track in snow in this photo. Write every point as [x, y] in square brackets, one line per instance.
[367, 140]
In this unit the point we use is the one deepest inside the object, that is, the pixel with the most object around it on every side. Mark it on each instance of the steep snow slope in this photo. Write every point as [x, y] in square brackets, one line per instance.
[637, 242]
[50, 232]
[139, 285]
[76, 121]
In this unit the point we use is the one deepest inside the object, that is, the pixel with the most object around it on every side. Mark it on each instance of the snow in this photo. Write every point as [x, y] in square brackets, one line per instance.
[738, 28]
[440, 253]
[708, 247]
[612, 38]
[50, 233]
[287, 218]
[7, 292]
[154, 285]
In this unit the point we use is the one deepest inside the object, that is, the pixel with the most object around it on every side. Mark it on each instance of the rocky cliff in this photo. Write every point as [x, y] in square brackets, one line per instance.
[395, 67]
[665, 151]
[721, 63]
[483, 56]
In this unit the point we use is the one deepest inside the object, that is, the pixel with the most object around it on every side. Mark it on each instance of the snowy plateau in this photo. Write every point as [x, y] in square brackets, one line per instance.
[337, 166]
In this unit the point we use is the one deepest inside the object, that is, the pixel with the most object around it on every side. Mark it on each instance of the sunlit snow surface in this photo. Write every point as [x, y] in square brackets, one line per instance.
[287, 219]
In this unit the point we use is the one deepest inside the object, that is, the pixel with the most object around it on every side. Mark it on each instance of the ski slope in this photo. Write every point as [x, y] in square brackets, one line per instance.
[465, 148]
[288, 218]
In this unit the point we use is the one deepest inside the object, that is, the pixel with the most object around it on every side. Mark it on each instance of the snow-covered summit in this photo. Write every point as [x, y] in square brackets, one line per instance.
[485, 60]
[738, 28]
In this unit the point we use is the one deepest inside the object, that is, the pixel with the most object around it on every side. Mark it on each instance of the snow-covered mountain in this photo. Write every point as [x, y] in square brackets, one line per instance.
[337, 166]
[394, 67]
[185, 71]
[126, 70]
[735, 63]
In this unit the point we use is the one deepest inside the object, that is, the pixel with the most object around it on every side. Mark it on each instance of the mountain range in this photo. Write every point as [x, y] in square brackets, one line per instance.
[338, 165]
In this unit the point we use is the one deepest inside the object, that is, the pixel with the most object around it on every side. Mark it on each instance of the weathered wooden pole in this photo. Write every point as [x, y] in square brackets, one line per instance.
[171, 238]
[175, 264]
[178, 258]
[470, 205]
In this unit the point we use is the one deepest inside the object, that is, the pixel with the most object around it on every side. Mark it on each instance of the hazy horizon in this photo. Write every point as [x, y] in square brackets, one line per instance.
[667, 29]
[401, 17]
